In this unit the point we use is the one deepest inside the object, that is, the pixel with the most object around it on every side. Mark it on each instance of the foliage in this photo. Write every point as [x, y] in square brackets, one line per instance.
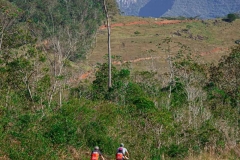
[119, 83]
[231, 17]
[133, 91]
[112, 7]
[11, 33]
[143, 104]
[177, 151]
[202, 113]
[19, 61]
[56, 18]
[62, 132]
[225, 78]
[96, 134]
[179, 95]
[136, 32]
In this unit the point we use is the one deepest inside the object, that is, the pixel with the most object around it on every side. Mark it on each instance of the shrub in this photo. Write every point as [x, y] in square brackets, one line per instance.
[177, 151]
[143, 104]
[207, 133]
[62, 132]
[96, 134]
[133, 91]
[231, 17]
[136, 32]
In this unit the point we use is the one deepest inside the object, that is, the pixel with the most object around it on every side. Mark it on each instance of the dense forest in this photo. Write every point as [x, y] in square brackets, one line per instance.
[191, 110]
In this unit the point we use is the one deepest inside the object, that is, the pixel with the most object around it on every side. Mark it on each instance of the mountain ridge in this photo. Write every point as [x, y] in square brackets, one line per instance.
[176, 8]
[131, 7]
[204, 9]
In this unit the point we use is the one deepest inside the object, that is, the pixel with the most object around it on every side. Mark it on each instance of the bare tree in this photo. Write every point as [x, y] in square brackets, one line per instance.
[62, 43]
[110, 8]
[168, 51]
[109, 45]
[63, 46]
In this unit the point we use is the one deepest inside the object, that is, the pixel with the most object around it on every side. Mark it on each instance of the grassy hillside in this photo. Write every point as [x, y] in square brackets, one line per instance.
[134, 38]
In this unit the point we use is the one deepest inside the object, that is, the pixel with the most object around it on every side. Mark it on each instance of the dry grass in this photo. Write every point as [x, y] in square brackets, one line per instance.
[134, 41]
[211, 153]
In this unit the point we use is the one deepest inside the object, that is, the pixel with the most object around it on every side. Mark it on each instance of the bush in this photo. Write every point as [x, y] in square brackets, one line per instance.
[177, 151]
[62, 132]
[133, 91]
[136, 32]
[96, 134]
[207, 133]
[143, 104]
[231, 17]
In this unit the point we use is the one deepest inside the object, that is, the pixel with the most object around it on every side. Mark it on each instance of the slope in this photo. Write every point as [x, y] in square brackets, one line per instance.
[136, 40]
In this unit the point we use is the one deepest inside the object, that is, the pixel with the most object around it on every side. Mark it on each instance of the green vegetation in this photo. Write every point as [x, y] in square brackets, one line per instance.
[73, 21]
[231, 17]
[175, 18]
[194, 108]
[136, 32]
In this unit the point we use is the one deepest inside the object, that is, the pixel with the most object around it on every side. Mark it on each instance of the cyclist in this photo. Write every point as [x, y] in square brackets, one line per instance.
[119, 154]
[96, 154]
[124, 151]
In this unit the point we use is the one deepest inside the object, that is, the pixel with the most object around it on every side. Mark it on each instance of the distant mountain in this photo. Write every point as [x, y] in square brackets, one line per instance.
[131, 7]
[175, 8]
[156, 8]
[203, 8]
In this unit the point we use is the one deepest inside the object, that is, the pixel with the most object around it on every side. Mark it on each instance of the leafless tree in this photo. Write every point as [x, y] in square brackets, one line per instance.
[109, 45]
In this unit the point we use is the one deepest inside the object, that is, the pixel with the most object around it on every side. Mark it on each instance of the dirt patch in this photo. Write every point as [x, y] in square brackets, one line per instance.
[218, 49]
[80, 77]
[142, 23]
[168, 22]
[135, 60]
[137, 22]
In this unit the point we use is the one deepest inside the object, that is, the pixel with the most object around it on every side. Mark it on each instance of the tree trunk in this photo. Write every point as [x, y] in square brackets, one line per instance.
[109, 47]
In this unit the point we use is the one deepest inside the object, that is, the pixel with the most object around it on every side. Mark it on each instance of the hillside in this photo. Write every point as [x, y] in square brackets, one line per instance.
[175, 84]
[136, 39]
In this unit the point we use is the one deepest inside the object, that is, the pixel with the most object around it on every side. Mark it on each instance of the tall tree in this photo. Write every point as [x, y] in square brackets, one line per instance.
[110, 7]
[109, 46]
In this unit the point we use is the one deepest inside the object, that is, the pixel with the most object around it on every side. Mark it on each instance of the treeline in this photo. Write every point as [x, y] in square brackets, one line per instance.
[41, 40]
[194, 108]
[71, 23]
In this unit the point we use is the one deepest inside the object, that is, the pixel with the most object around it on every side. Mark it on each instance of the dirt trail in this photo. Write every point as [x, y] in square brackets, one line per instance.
[135, 60]
[162, 22]
[87, 74]
[81, 77]
[217, 49]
